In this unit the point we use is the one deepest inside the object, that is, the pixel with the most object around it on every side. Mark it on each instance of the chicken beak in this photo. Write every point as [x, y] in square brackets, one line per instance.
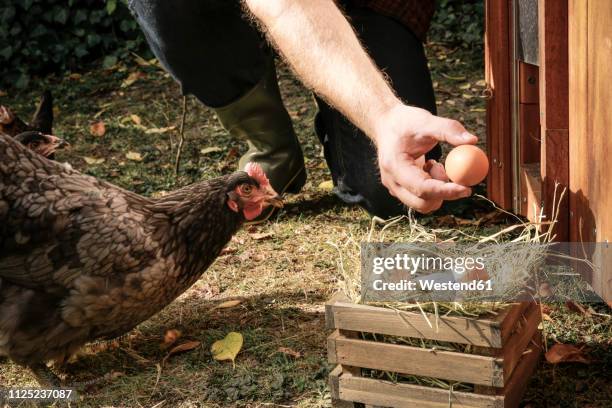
[62, 144]
[273, 199]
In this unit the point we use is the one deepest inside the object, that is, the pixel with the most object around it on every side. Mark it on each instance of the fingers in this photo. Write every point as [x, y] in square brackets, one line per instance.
[423, 190]
[451, 131]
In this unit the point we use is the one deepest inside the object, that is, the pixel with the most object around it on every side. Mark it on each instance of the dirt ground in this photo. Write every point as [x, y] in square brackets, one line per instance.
[282, 271]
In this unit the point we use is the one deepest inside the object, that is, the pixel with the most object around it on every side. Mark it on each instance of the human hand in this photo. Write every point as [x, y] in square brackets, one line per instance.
[402, 135]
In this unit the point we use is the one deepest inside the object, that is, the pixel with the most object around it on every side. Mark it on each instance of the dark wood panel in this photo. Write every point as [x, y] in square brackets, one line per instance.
[529, 133]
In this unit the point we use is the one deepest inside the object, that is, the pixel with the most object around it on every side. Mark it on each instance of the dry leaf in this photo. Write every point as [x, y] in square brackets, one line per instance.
[565, 353]
[289, 352]
[212, 149]
[134, 156]
[326, 185]
[136, 119]
[153, 131]
[227, 348]
[261, 235]
[3, 93]
[170, 337]
[97, 128]
[187, 346]
[93, 160]
[228, 304]
[133, 77]
[478, 110]
[465, 86]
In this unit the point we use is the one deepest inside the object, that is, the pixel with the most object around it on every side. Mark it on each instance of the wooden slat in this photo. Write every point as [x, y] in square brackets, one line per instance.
[513, 350]
[499, 121]
[388, 394]
[554, 107]
[334, 388]
[404, 359]
[363, 318]
[515, 388]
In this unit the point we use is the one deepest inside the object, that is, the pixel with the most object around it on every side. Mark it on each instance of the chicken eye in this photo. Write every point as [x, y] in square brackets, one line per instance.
[246, 189]
[34, 145]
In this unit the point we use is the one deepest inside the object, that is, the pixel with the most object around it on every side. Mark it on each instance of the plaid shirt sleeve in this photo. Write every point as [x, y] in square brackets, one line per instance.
[415, 14]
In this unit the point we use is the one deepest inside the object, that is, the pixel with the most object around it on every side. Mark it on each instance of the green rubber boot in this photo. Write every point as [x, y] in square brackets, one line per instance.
[261, 118]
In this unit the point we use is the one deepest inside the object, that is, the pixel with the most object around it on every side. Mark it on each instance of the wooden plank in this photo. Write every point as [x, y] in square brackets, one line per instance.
[405, 359]
[517, 344]
[397, 395]
[590, 123]
[363, 318]
[531, 191]
[515, 388]
[498, 76]
[529, 133]
[334, 388]
[554, 106]
[555, 169]
[529, 84]
[507, 321]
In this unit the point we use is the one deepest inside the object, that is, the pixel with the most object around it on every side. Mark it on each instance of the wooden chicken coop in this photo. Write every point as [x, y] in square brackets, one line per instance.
[548, 67]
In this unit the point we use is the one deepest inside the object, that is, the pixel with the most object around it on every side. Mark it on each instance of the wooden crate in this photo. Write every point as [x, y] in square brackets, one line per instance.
[506, 351]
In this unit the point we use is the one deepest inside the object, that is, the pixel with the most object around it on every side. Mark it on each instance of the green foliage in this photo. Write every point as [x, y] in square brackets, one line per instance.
[459, 23]
[43, 36]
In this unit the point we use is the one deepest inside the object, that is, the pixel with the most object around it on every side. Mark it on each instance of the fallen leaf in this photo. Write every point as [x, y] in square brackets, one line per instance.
[133, 77]
[136, 119]
[481, 82]
[228, 347]
[478, 110]
[93, 160]
[577, 308]
[326, 185]
[261, 235]
[170, 337]
[467, 96]
[465, 86]
[212, 149]
[289, 352]
[153, 131]
[565, 353]
[97, 128]
[187, 346]
[228, 304]
[134, 156]
[75, 76]
[3, 93]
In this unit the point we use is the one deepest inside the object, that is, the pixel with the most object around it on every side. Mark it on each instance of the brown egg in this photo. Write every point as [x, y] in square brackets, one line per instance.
[466, 165]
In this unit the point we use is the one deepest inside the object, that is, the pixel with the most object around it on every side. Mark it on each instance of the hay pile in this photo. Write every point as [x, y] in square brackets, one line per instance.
[511, 271]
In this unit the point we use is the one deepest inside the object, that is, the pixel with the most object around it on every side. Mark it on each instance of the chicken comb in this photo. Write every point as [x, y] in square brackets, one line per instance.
[255, 171]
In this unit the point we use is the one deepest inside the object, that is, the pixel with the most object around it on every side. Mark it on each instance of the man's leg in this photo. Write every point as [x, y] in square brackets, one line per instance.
[350, 154]
[215, 54]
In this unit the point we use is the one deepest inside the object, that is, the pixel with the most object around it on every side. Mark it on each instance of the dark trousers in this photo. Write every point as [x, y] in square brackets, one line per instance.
[214, 53]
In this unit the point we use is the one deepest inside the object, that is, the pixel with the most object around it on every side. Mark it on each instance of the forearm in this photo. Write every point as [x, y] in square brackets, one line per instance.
[319, 43]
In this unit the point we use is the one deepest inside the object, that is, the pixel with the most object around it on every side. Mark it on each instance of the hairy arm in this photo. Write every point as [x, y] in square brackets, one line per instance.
[319, 43]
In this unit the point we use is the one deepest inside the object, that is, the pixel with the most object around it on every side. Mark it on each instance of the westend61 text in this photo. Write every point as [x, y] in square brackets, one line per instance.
[432, 285]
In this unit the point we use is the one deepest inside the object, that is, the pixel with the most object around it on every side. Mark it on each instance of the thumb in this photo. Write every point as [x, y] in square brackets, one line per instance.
[453, 132]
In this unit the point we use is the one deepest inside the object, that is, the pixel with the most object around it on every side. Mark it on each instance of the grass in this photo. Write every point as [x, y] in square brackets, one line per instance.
[283, 279]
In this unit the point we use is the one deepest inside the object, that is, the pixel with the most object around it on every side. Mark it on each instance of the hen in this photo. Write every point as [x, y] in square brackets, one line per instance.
[42, 120]
[45, 145]
[82, 259]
